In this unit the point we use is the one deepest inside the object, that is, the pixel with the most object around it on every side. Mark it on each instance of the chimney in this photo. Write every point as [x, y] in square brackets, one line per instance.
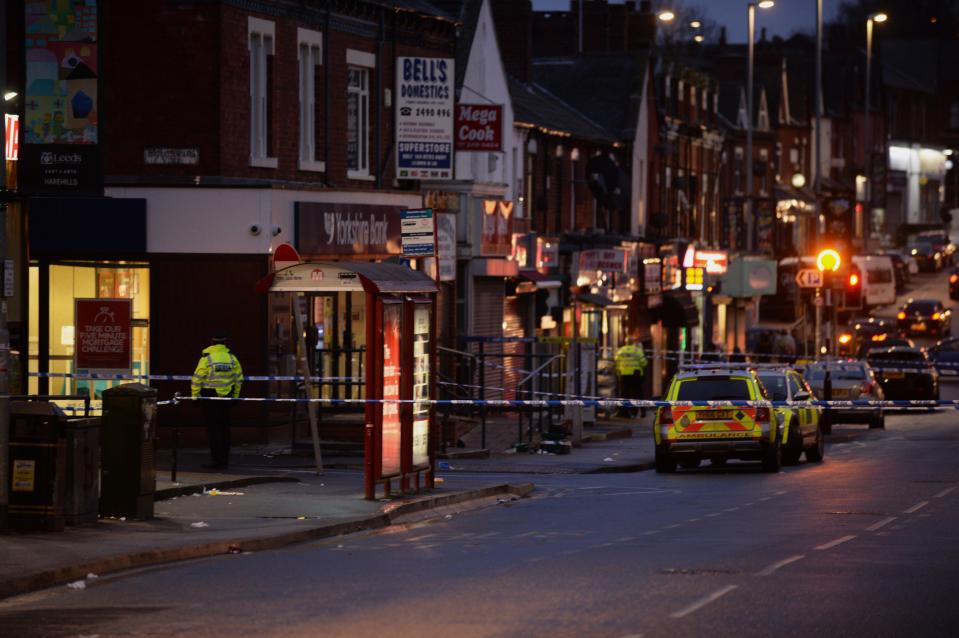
[762, 34]
[722, 36]
[514, 35]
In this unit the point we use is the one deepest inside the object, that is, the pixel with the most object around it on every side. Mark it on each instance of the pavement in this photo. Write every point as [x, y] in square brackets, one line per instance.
[271, 497]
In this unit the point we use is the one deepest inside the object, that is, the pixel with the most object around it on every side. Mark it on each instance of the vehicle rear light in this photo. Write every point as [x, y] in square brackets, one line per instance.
[845, 338]
[901, 315]
[936, 316]
[665, 416]
[762, 414]
[953, 278]
[866, 387]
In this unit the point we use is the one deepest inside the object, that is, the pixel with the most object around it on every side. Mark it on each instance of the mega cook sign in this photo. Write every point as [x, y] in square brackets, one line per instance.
[479, 127]
[424, 118]
[102, 337]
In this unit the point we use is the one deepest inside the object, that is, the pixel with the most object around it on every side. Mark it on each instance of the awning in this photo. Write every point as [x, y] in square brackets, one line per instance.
[678, 310]
[540, 281]
[589, 298]
[380, 277]
[785, 192]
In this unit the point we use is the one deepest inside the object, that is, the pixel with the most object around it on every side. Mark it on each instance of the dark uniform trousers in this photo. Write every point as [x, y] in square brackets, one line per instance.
[217, 415]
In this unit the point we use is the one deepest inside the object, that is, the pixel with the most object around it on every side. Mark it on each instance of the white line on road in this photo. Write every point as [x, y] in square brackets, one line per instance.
[880, 524]
[673, 526]
[693, 520]
[419, 538]
[765, 498]
[781, 492]
[713, 514]
[525, 534]
[702, 602]
[772, 568]
[944, 492]
[838, 541]
[730, 509]
[915, 508]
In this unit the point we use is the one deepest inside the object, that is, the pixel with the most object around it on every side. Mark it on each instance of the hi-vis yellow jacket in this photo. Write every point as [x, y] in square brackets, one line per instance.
[630, 359]
[218, 369]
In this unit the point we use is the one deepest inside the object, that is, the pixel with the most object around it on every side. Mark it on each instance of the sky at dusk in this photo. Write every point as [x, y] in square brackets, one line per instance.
[785, 18]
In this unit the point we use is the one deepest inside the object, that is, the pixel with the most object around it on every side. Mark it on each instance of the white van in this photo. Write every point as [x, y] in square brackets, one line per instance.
[878, 279]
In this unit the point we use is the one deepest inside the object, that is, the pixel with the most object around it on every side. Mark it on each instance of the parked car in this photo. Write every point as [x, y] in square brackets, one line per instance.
[851, 380]
[945, 356]
[878, 279]
[939, 240]
[801, 424]
[887, 341]
[954, 283]
[928, 259]
[925, 317]
[912, 268]
[905, 373]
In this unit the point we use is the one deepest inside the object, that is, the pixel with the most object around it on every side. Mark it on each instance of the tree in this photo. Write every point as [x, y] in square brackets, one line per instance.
[679, 30]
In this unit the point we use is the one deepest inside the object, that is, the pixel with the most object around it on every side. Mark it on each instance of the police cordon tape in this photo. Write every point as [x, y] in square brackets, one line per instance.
[602, 403]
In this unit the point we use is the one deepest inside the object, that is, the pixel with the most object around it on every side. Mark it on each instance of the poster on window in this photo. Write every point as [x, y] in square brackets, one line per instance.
[392, 373]
[421, 385]
[424, 118]
[102, 335]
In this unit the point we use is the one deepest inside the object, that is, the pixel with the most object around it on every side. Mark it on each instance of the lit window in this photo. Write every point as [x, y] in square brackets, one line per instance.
[358, 113]
[261, 45]
[310, 57]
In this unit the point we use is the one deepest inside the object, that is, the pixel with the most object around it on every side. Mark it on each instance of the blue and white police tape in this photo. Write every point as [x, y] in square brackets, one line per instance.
[602, 403]
[99, 376]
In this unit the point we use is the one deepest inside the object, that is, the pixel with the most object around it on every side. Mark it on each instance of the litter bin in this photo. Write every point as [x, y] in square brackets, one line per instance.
[37, 467]
[82, 471]
[128, 451]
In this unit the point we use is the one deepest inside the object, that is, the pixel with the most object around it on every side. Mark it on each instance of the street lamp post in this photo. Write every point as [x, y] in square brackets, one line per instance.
[750, 38]
[818, 92]
[866, 130]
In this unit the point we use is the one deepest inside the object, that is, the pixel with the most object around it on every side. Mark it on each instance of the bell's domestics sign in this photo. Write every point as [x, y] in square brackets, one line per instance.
[479, 127]
[424, 118]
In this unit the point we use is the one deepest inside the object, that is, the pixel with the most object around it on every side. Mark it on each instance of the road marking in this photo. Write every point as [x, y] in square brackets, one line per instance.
[525, 534]
[944, 492]
[772, 568]
[880, 524]
[486, 535]
[730, 509]
[748, 504]
[419, 538]
[781, 492]
[713, 514]
[915, 508]
[651, 532]
[693, 520]
[765, 498]
[601, 545]
[625, 539]
[838, 541]
[702, 602]
[673, 526]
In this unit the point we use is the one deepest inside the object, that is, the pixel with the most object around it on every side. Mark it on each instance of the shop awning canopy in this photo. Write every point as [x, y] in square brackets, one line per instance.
[589, 298]
[542, 281]
[360, 276]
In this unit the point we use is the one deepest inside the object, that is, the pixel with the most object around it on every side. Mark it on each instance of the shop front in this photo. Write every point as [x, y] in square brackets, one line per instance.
[83, 249]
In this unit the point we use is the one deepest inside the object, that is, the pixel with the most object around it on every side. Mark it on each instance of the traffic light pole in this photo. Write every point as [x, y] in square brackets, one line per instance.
[818, 304]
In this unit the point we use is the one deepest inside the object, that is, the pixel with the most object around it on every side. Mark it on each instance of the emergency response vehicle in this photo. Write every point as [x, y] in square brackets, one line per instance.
[802, 432]
[688, 435]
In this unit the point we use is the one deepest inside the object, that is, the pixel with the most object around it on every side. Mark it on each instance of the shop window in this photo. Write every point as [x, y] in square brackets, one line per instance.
[358, 113]
[261, 38]
[67, 283]
[310, 58]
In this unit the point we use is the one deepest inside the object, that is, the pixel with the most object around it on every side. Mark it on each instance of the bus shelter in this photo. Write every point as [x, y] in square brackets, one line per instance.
[399, 313]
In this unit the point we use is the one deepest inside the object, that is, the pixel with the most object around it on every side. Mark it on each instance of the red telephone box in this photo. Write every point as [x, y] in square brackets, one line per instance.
[400, 365]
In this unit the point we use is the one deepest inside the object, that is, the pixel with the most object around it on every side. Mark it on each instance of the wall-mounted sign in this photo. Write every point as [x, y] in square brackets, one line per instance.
[497, 238]
[424, 118]
[479, 127]
[694, 278]
[609, 260]
[418, 232]
[446, 245]
[11, 137]
[171, 156]
[547, 252]
[102, 337]
[61, 116]
[714, 262]
[392, 375]
[315, 277]
[750, 277]
[347, 229]
[652, 276]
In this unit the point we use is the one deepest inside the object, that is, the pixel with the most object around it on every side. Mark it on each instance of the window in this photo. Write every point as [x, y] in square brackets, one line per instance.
[262, 36]
[714, 389]
[358, 113]
[309, 58]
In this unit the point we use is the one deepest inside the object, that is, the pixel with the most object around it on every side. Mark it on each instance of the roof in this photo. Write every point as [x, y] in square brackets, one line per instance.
[534, 106]
[606, 87]
[466, 12]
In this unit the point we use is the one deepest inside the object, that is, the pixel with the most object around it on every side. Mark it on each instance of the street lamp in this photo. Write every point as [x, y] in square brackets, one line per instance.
[866, 132]
[666, 15]
[751, 37]
[828, 260]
